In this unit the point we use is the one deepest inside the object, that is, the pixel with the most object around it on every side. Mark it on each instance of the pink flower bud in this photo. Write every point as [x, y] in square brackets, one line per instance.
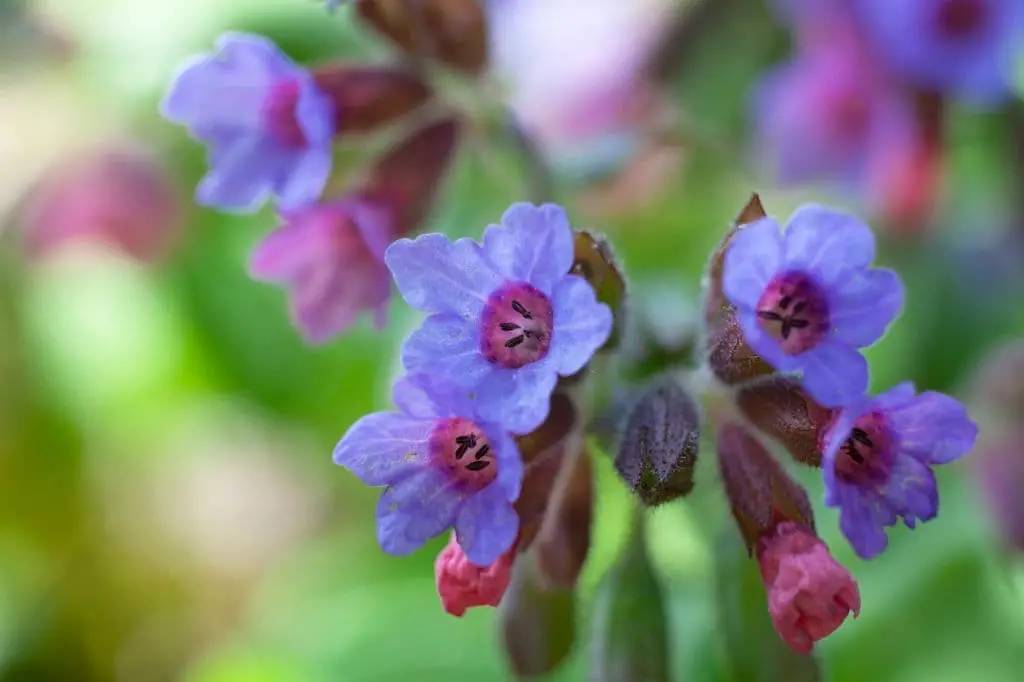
[461, 584]
[809, 592]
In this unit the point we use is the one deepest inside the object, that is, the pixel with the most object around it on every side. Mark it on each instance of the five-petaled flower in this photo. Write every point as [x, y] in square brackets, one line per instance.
[505, 316]
[966, 47]
[461, 584]
[876, 459]
[807, 298]
[267, 126]
[810, 594]
[330, 256]
[443, 466]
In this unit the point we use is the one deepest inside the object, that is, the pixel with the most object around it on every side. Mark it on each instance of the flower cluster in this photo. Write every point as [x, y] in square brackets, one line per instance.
[269, 126]
[505, 319]
[861, 102]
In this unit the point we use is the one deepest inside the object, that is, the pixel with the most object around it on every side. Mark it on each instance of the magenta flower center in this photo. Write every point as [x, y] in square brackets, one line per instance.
[961, 19]
[793, 309]
[866, 458]
[516, 326]
[279, 114]
[460, 448]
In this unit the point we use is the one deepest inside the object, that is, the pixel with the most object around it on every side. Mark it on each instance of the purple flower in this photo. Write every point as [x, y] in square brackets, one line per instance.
[829, 115]
[267, 126]
[330, 256]
[443, 466]
[505, 317]
[876, 456]
[967, 47]
[807, 299]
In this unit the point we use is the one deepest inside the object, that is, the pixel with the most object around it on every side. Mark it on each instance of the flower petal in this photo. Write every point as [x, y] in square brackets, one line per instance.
[753, 257]
[827, 243]
[436, 275]
[417, 508]
[864, 304]
[284, 253]
[417, 396]
[449, 346]
[509, 460]
[912, 490]
[861, 527]
[533, 244]
[934, 428]
[581, 325]
[238, 177]
[834, 373]
[486, 526]
[384, 447]
[302, 176]
[519, 399]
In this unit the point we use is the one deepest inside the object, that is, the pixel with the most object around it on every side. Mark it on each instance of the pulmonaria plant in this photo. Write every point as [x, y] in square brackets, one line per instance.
[505, 316]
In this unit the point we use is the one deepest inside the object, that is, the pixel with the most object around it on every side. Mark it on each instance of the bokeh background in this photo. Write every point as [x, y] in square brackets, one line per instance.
[168, 505]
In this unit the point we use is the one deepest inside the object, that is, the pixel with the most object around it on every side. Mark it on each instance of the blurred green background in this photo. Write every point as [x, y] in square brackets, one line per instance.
[168, 506]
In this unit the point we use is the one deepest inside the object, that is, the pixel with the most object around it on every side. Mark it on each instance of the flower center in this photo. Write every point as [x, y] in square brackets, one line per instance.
[279, 114]
[865, 459]
[793, 309]
[516, 326]
[460, 448]
[961, 19]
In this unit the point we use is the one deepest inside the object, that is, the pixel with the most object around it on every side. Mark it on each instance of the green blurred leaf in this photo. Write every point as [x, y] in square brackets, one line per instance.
[629, 638]
[538, 625]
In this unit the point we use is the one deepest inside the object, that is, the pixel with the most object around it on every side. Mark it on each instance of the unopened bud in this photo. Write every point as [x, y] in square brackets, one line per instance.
[780, 408]
[544, 452]
[461, 584]
[998, 464]
[366, 97]
[659, 443]
[715, 302]
[563, 542]
[629, 637]
[538, 625]
[998, 390]
[731, 359]
[409, 174]
[754, 652]
[595, 262]
[760, 493]
[451, 31]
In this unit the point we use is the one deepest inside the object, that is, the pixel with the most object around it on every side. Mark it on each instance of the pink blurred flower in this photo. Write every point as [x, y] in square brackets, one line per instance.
[574, 70]
[119, 196]
[461, 584]
[809, 593]
[330, 256]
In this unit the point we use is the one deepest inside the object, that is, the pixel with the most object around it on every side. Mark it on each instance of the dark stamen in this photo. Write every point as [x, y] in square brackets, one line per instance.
[785, 301]
[515, 341]
[479, 465]
[799, 306]
[464, 443]
[856, 456]
[518, 307]
[861, 436]
[461, 451]
[508, 326]
[482, 452]
[769, 315]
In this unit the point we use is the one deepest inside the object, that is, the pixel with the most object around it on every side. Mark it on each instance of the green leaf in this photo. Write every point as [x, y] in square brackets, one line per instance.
[629, 635]
[538, 625]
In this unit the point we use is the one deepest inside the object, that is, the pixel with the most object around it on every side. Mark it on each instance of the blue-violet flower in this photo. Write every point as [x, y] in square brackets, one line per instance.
[965, 47]
[330, 255]
[505, 317]
[443, 466]
[876, 459]
[807, 298]
[266, 124]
